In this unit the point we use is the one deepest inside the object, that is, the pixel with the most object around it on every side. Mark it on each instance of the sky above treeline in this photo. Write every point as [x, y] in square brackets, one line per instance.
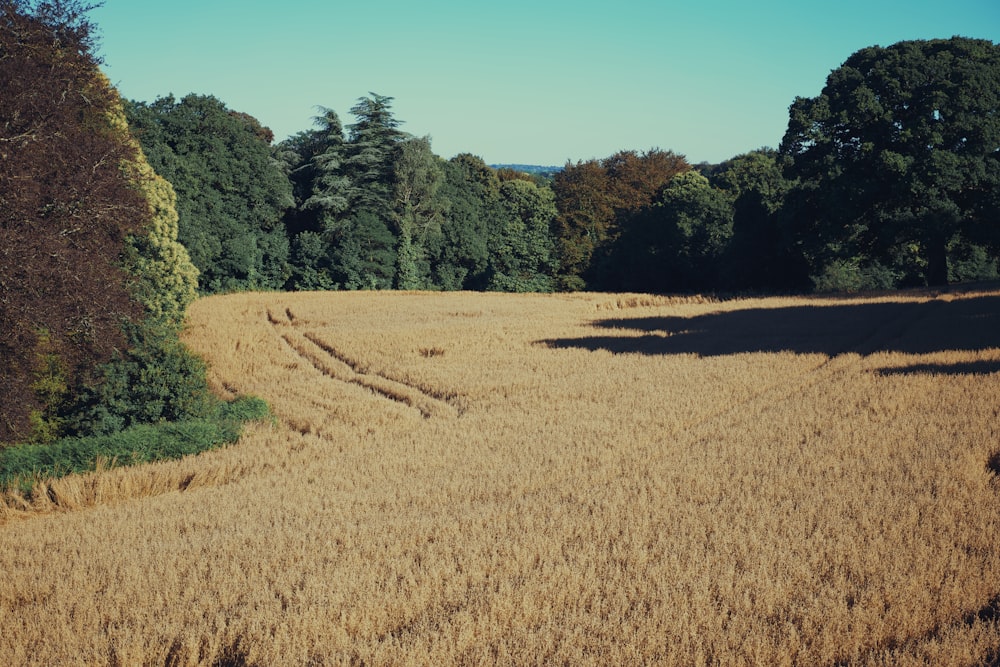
[541, 82]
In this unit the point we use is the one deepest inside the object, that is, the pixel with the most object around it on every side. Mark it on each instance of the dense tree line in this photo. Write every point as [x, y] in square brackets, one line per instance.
[231, 193]
[887, 178]
[363, 207]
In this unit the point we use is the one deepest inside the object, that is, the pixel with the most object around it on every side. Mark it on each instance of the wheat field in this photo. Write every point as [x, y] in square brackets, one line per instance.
[586, 479]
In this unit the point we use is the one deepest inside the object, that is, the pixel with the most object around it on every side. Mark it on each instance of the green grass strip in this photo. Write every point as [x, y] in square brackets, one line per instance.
[23, 465]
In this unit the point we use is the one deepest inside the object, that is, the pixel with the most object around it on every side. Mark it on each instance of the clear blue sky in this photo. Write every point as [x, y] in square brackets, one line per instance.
[513, 81]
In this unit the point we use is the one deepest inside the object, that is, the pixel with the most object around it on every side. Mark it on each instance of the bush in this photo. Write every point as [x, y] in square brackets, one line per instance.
[970, 262]
[21, 466]
[157, 380]
[848, 275]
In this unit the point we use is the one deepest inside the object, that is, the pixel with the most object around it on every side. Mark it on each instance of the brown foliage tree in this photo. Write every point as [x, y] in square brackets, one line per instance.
[66, 208]
[596, 199]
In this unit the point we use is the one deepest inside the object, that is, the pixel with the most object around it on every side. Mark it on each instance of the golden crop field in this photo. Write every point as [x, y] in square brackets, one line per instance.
[586, 479]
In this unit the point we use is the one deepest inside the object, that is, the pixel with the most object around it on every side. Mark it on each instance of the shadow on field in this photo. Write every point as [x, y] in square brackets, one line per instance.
[960, 368]
[964, 324]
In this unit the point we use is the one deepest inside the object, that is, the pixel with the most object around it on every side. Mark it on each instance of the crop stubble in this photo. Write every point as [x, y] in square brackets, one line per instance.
[578, 479]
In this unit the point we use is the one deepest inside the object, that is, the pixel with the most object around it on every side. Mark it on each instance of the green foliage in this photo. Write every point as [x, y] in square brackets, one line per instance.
[418, 210]
[417, 178]
[50, 388]
[371, 155]
[597, 200]
[677, 244]
[349, 209]
[701, 214]
[310, 263]
[899, 150]
[760, 255]
[322, 189]
[849, 275]
[156, 380]
[459, 254]
[889, 177]
[408, 260]
[363, 253]
[758, 172]
[522, 249]
[231, 190]
[166, 279]
[22, 466]
[970, 262]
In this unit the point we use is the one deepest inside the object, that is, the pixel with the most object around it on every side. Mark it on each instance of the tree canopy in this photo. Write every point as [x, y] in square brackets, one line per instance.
[597, 198]
[898, 159]
[232, 193]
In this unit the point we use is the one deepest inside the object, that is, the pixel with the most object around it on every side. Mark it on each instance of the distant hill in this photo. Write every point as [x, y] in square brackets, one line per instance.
[530, 168]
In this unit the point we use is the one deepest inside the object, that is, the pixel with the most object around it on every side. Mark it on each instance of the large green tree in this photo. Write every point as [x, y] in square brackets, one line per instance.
[470, 194]
[374, 140]
[318, 179]
[314, 162]
[232, 192]
[354, 196]
[898, 159]
[522, 247]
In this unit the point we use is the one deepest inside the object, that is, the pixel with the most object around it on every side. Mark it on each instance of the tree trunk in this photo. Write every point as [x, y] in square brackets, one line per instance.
[937, 261]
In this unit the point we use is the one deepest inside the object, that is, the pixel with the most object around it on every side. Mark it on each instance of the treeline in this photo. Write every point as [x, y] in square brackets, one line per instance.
[363, 207]
[889, 178]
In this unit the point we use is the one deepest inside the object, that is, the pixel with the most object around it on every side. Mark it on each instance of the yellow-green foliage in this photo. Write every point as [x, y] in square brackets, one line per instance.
[163, 263]
[167, 279]
[49, 386]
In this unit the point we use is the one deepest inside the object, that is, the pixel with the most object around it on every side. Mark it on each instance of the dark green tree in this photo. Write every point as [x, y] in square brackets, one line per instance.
[232, 192]
[896, 161]
[370, 163]
[326, 189]
[314, 162]
[362, 241]
[522, 247]
[761, 254]
[311, 262]
[470, 195]
[676, 244]
[363, 254]
[367, 183]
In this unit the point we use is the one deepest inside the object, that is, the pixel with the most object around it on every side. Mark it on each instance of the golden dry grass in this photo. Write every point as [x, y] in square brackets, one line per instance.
[564, 479]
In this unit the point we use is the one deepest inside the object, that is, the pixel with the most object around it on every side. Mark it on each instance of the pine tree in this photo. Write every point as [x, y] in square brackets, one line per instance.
[373, 143]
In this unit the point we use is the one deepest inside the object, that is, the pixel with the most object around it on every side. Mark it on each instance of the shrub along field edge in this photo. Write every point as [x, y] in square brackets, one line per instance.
[23, 466]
